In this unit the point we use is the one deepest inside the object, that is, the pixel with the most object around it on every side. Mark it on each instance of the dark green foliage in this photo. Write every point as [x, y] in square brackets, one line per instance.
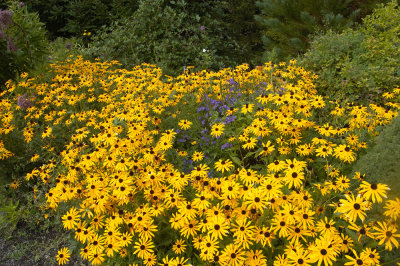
[54, 13]
[381, 163]
[65, 18]
[24, 46]
[240, 34]
[289, 23]
[158, 33]
[361, 64]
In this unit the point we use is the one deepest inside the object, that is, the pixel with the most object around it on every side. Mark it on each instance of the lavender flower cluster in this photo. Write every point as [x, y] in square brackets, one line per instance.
[24, 101]
[5, 21]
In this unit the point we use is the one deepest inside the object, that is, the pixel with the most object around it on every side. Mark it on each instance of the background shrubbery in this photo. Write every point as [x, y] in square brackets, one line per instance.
[359, 64]
[23, 43]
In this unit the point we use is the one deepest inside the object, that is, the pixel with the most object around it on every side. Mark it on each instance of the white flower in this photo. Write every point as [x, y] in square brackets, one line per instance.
[204, 50]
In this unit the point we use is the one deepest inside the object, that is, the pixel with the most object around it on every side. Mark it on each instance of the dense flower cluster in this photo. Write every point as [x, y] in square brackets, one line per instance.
[233, 167]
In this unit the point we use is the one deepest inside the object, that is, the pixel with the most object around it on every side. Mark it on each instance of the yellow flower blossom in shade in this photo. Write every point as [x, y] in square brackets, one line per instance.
[353, 207]
[249, 143]
[63, 256]
[47, 132]
[344, 153]
[35, 157]
[374, 192]
[217, 130]
[223, 165]
[197, 156]
[15, 184]
[184, 124]
[355, 260]
[179, 246]
[71, 218]
[96, 258]
[393, 209]
[370, 256]
[386, 234]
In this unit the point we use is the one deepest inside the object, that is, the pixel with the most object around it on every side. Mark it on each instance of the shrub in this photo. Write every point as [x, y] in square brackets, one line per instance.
[361, 64]
[23, 44]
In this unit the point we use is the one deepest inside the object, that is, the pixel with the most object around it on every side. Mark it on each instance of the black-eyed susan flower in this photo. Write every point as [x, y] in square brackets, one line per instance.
[185, 124]
[143, 248]
[217, 130]
[63, 256]
[353, 207]
[179, 246]
[71, 218]
[197, 156]
[223, 165]
[386, 234]
[374, 192]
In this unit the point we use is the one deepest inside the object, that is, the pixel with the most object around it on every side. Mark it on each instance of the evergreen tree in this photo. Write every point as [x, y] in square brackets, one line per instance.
[289, 23]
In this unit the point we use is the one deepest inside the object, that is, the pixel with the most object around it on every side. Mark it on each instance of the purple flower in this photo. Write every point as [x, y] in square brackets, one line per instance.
[230, 119]
[68, 45]
[5, 18]
[21, 4]
[24, 102]
[202, 28]
[225, 146]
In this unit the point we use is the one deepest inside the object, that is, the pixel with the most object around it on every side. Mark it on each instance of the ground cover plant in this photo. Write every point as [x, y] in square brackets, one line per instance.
[232, 167]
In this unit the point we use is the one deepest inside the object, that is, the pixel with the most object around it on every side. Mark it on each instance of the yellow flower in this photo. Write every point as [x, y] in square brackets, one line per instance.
[185, 124]
[217, 130]
[223, 165]
[63, 256]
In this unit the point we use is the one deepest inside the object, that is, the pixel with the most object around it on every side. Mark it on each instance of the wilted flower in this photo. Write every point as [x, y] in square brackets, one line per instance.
[68, 45]
[11, 45]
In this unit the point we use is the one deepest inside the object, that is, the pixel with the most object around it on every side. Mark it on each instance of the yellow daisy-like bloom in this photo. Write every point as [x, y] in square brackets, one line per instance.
[143, 248]
[373, 192]
[353, 207]
[63, 256]
[217, 130]
[71, 218]
[247, 108]
[393, 209]
[233, 255]
[179, 246]
[197, 156]
[386, 234]
[185, 124]
[223, 165]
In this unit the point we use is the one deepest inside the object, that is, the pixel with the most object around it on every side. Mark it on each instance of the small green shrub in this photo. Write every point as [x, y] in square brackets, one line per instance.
[23, 43]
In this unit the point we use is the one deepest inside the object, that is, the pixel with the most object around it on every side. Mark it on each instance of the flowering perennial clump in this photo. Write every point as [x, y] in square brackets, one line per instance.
[236, 167]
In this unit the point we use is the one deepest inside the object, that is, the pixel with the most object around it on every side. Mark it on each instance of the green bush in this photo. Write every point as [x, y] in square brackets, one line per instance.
[158, 33]
[360, 64]
[23, 43]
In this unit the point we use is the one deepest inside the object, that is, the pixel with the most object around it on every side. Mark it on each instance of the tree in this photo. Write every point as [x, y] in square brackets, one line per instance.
[289, 24]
